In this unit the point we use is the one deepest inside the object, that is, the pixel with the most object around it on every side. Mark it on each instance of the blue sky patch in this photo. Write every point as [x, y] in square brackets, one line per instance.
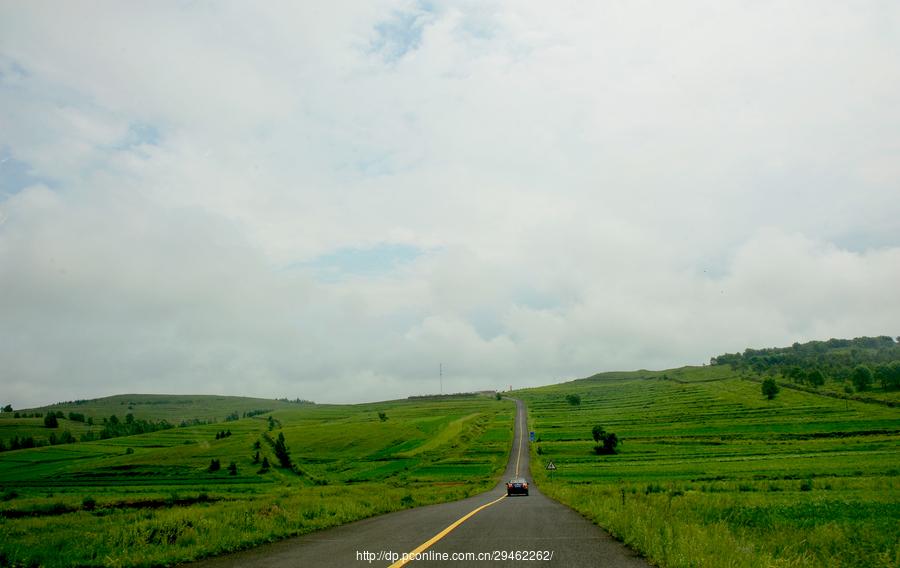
[16, 175]
[402, 32]
[371, 262]
[10, 69]
[139, 134]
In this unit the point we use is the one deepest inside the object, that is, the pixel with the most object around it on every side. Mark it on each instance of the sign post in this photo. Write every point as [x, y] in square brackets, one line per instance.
[551, 467]
[531, 435]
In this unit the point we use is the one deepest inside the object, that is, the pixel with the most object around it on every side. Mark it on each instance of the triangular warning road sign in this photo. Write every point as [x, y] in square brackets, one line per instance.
[551, 466]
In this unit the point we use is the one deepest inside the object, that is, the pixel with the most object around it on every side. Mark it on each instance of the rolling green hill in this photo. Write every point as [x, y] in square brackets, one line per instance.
[85, 419]
[153, 498]
[172, 408]
[711, 473]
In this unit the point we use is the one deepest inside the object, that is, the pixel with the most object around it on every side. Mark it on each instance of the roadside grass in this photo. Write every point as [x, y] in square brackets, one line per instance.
[151, 500]
[709, 473]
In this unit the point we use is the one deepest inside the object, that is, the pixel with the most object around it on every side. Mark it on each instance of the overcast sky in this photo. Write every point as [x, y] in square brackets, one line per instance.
[327, 200]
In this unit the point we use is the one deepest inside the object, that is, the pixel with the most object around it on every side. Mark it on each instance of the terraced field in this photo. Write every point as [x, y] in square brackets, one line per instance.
[710, 473]
[151, 499]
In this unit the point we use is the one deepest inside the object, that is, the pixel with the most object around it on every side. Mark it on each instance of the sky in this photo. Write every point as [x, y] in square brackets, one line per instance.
[329, 200]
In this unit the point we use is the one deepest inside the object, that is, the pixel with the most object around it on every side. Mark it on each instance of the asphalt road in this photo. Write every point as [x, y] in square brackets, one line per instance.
[529, 525]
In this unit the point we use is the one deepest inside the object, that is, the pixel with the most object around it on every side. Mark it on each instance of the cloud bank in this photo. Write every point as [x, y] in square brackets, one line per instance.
[329, 201]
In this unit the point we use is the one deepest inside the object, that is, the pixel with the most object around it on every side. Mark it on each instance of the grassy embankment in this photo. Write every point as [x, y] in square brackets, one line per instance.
[150, 499]
[710, 473]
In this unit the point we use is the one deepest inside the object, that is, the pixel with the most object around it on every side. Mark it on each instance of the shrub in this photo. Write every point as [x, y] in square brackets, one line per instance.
[232, 468]
[806, 485]
[606, 441]
[89, 503]
[770, 388]
[50, 421]
[282, 452]
[214, 465]
[382, 416]
[862, 378]
[573, 399]
[815, 378]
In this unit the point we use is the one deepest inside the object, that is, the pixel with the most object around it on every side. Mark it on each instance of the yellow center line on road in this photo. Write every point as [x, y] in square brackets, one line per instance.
[426, 545]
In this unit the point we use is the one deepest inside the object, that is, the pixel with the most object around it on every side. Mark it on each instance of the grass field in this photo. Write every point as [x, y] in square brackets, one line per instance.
[173, 409]
[149, 499]
[710, 473]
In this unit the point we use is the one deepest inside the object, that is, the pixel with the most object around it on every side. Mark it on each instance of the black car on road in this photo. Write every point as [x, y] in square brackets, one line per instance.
[517, 486]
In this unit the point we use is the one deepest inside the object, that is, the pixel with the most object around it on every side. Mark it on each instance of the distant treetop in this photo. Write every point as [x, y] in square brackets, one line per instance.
[835, 358]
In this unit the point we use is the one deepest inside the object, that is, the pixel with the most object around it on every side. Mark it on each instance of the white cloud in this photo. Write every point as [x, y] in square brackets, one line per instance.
[590, 187]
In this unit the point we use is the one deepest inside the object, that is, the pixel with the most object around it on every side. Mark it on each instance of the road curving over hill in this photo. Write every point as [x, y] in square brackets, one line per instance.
[541, 531]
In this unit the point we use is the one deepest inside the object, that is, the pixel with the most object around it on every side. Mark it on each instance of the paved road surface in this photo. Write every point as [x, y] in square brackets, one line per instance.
[518, 523]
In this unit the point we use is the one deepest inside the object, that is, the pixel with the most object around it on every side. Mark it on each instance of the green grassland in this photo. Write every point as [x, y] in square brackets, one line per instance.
[172, 408]
[710, 473]
[149, 499]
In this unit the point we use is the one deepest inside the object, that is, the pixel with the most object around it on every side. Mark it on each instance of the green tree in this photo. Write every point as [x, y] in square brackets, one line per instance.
[815, 378]
[573, 399]
[50, 421]
[382, 416]
[610, 443]
[265, 465]
[795, 373]
[606, 442]
[861, 377]
[214, 465]
[597, 432]
[8, 408]
[282, 452]
[232, 468]
[888, 375]
[770, 388]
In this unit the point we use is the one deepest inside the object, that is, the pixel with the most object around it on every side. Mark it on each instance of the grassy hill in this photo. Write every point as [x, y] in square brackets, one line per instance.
[711, 473]
[173, 408]
[151, 499]
[90, 415]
